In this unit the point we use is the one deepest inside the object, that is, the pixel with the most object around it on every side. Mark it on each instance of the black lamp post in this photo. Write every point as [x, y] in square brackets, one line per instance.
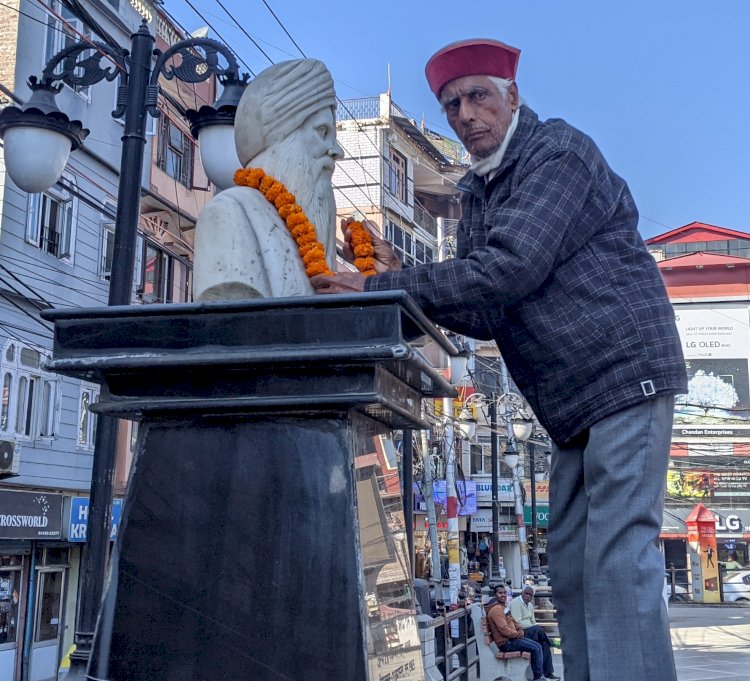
[38, 138]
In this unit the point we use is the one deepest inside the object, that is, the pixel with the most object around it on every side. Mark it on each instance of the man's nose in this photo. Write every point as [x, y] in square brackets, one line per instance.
[466, 112]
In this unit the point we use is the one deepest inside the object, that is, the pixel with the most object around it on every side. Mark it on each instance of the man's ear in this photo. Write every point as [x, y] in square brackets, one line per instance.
[513, 95]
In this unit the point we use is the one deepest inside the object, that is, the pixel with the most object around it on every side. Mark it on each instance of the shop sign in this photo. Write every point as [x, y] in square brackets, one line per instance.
[421, 524]
[504, 491]
[30, 515]
[79, 518]
[731, 523]
[709, 431]
[542, 515]
[481, 521]
[542, 491]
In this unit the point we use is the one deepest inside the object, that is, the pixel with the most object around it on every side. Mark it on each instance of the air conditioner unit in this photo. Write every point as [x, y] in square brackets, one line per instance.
[10, 458]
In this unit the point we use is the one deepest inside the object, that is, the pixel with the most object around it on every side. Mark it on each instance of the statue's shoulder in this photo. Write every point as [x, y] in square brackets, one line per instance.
[245, 200]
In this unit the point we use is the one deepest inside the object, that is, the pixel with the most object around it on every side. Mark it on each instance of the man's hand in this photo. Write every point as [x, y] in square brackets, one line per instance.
[385, 259]
[343, 282]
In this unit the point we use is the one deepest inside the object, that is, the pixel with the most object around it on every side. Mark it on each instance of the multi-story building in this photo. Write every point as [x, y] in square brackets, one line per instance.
[400, 176]
[707, 273]
[56, 251]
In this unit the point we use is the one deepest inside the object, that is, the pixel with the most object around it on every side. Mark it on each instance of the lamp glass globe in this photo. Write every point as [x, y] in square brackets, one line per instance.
[34, 157]
[219, 154]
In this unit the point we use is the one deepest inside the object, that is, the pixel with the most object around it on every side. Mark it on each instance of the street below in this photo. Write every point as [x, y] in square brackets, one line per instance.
[709, 643]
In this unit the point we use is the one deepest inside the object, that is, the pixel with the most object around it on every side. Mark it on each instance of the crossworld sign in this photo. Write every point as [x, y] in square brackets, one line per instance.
[30, 515]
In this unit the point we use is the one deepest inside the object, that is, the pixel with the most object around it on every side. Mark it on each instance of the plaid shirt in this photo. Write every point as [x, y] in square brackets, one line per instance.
[551, 266]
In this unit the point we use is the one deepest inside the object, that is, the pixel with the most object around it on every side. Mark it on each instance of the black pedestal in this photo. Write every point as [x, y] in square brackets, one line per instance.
[262, 536]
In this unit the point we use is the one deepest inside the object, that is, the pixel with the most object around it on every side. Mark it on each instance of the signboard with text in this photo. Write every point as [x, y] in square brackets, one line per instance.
[716, 343]
[79, 518]
[30, 515]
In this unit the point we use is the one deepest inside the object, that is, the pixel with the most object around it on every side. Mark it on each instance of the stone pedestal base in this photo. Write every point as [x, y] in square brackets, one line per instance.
[262, 534]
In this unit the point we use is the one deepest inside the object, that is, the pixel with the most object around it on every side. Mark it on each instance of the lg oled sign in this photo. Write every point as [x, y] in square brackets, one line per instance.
[716, 344]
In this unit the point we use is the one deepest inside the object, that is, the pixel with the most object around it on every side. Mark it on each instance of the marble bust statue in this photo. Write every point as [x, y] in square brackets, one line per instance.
[285, 125]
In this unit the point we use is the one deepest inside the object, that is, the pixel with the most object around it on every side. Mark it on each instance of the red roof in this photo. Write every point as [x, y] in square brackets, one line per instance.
[675, 234]
[700, 259]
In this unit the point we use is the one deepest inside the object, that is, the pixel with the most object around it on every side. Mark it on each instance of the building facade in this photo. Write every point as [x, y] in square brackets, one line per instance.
[707, 272]
[56, 251]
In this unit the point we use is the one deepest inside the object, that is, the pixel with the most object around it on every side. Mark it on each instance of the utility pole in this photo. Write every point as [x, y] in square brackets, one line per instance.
[429, 497]
[517, 497]
[495, 558]
[535, 567]
[454, 561]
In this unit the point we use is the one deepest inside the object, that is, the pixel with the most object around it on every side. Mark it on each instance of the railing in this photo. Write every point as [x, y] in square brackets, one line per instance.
[455, 646]
[545, 612]
[358, 109]
[424, 220]
[731, 589]
[678, 584]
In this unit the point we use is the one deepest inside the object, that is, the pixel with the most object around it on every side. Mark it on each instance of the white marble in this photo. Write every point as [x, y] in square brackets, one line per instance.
[285, 125]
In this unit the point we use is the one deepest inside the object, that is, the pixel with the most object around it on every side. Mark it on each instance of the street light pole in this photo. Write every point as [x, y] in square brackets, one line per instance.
[495, 558]
[40, 125]
[535, 568]
[120, 286]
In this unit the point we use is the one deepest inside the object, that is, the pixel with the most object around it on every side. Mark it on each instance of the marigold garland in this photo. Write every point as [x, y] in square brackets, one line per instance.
[302, 230]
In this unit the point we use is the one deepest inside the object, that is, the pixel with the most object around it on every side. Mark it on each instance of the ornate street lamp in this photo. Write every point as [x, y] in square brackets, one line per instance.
[38, 139]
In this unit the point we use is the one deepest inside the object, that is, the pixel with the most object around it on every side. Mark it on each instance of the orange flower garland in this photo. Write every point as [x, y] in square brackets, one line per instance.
[363, 249]
[302, 230]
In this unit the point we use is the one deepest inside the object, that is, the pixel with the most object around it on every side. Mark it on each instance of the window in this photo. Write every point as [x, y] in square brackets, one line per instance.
[395, 176]
[49, 224]
[409, 247]
[481, 460]
[31, 396]
[62, 34]
[175, 152]
[107, 249]
[86, 418]
[164, 277]
[5, 411]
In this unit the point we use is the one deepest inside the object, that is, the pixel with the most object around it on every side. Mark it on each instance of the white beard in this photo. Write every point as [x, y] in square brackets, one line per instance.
[289, 162]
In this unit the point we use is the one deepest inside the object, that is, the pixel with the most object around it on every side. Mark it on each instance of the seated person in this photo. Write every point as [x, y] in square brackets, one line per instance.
[507, 634]
[522, 610]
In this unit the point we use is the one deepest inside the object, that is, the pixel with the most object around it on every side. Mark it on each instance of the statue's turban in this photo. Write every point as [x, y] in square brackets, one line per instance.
[278, 101]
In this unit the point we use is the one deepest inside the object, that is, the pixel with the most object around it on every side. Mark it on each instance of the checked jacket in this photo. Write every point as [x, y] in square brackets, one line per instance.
[551, 266]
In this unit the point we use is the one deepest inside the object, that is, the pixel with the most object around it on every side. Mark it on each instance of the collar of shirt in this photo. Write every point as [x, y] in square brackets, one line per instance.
[487, 167]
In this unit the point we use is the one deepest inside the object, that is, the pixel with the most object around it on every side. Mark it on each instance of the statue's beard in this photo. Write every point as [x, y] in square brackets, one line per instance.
[310, 183]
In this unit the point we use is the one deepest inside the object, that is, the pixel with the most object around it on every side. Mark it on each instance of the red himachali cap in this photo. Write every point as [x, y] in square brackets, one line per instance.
[479, 57]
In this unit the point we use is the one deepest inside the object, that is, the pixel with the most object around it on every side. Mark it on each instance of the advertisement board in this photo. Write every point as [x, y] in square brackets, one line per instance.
[708, 484]
[716, 343]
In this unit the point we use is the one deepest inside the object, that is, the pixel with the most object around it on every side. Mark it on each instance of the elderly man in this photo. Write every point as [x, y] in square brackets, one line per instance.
[551, 266]
[507, 634]
[285, 125]
[522, 610]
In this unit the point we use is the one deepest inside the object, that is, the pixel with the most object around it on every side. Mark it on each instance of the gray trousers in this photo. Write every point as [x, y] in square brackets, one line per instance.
[606, 499]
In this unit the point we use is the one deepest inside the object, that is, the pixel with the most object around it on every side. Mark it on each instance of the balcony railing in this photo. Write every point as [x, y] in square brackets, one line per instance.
[358, 109]
[424, 220]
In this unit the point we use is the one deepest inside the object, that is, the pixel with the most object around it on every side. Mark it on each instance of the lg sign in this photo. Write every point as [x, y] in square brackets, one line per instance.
[732, 523]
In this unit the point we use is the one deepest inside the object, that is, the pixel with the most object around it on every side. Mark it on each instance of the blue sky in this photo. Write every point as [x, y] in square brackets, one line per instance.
[662, 86]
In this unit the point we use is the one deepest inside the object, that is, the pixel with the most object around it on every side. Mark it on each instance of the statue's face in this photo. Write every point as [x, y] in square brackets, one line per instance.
[318, 137]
